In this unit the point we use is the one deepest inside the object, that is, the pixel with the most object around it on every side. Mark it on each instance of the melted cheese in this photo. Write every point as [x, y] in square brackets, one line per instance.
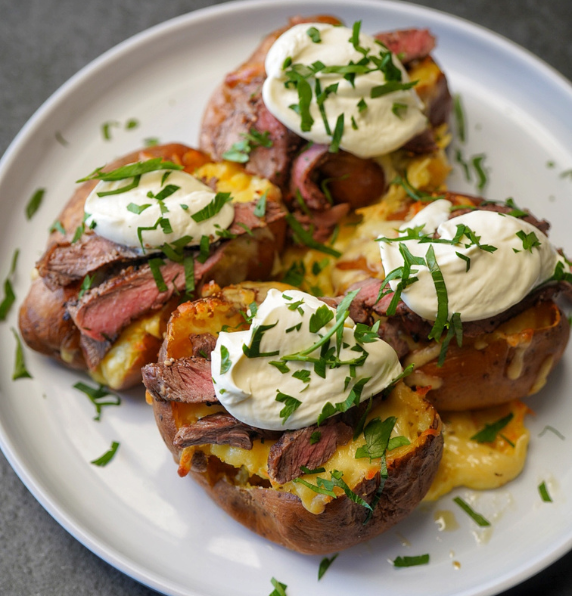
[475, 465]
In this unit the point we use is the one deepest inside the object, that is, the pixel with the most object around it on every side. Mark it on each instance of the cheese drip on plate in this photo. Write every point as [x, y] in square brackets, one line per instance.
[492, 265]
[269, 378]
[158, 209]
[309, 63]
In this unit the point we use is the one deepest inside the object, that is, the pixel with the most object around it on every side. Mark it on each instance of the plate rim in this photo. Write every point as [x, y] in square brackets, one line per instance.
[118, 52]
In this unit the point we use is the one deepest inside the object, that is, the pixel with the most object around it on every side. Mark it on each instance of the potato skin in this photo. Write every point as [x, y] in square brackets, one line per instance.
[46, 326]
[280, 516]
[511, 366]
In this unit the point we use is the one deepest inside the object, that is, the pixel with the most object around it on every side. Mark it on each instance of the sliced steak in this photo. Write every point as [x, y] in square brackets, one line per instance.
[103, 311]
[203, 344]
[220, 429]
[187, 380]
[408, 44]
[294, 450]
[65, 263]
[350, 179]
[93, 351]
[322, 222]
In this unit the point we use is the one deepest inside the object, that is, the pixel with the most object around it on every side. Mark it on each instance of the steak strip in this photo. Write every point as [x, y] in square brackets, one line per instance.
[294, 449]
[187, 380]
[65, 263]
[103, 311]
[408, 44]
[220, 429]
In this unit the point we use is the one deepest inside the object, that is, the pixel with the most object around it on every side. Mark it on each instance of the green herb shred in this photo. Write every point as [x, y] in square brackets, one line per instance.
[20, 370]
[490, 432]
[107, 456]
[96, 395]
[476, 517]
[35, 202]
[411, 561]
[325, 565]
[544, 494]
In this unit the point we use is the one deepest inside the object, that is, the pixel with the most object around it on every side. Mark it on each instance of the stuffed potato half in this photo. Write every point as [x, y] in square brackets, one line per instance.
[84, 281]
[239, 480]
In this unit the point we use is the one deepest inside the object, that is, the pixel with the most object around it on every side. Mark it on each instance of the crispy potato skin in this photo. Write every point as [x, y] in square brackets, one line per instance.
[278, 515]
[46, 326]
[510, 365]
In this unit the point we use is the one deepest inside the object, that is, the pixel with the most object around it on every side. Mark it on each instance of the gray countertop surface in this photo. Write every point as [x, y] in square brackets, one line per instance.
[42, 44]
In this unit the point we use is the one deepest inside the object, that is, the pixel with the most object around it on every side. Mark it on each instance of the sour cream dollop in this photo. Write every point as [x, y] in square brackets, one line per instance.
[248, 387]
[383, 125]
[495, 280]
[117, 218]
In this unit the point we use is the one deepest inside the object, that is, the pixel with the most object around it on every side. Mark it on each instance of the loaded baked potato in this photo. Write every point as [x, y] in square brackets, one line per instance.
[102, 306]
[499, 354]
[314, 497]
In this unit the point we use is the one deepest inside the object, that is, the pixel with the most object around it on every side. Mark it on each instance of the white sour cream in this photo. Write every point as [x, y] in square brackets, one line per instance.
[249, 388]
[116, 222]
[495, 280]
[379, 129]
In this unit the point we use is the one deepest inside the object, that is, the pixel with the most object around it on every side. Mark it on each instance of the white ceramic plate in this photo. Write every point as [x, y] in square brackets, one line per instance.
[136, 513]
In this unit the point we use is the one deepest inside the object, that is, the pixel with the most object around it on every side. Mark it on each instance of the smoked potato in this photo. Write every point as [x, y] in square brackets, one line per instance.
[238, 479]
[95, 304]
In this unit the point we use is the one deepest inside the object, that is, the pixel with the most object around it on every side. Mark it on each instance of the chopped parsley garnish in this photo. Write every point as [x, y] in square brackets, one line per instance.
[96, 395]
[204, 249]
[20, 370]
[214, 207]
[414, 193]
[137, 209]
[305, 237]
[35, 202]
[552, 430]
[240, 151]
[78, 233]
[459, 117]
[60, 139]
[291, 404]
[325, 487]
[281, 366]
[294, 328]
[315, 471]
[320, 318]
[516, 211]
[106, 129]
[85, 286]
[107, 456]
[377, 435]
[411, 561]
[253, 351]
[461, 161]
[476, 517]
[151, 142]
[490, 432]
[396, 442]
[315, 437]
[132, 170]
[9, 295]
[131, 124]
[544, 494]
[325, 565]
[155, 266]
[260, 209]
[454, 329]
[57, 227]
[466, 259]
[225, 362]
[399, 109]
[279, 588]
[361, 105]
[482, 179]
[314, 35]
[317, 268]
[390, 87]
[529, 241]
[337, 136]
[302, 375]
[304, 90]
[566, 174]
